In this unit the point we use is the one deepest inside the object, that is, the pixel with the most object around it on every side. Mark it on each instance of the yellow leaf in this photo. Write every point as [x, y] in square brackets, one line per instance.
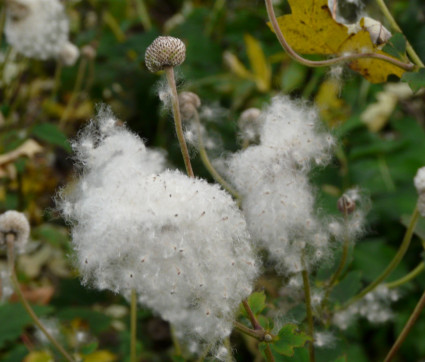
[236, 65]
[331, 107]
[39, 356]
[100, 356]
[259, 64]
[310, 29]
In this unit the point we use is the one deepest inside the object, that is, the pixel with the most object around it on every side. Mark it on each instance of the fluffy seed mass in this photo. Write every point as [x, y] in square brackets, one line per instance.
[39, 29]
[180, 242]
[273, 180]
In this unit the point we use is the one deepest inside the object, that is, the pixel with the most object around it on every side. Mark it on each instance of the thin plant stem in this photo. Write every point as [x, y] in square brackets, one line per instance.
[133, 325]
[169, 71]
[394, 262]
[143, 14]
[408, 277]
[341, 265]
[307, 295]
[58, 73]
[251, 316]
[207, 163]
[10, 238]
[328, 62]
[229, 357]
[2, 21]
[75, 92]
[268, 353]
[255, 333]
[396, 27]
[176, 344]
[408, 326]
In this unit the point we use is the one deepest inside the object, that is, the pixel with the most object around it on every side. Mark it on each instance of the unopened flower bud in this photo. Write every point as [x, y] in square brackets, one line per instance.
[346, 204]
[69, 54]
[14, 223]
[165, 51]
[378, 33]
[189, 102]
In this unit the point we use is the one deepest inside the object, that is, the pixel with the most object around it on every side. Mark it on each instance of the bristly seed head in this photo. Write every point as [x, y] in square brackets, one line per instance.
[346, 204]
[165, 51]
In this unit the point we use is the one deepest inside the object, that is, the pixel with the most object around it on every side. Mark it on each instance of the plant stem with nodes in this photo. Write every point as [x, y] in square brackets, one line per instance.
[393, 264]
[10, 239]
[310, 321]
[207, 163]
[169, 71]
[396, 27]
[328, 62]
[413, 318]
[133, 325]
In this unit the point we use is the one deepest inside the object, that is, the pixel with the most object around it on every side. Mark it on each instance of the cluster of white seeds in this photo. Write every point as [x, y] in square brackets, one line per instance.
[39, 29]
[180, 242]
[273, 180]
[419, 182]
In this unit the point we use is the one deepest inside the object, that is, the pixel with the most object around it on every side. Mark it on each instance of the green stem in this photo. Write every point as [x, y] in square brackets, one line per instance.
[2, 21]
[58, 73]
[393, 264]
[169, 71]
[75, 92]
[133, 325]
[341, 265]
[143, 14]
[408, 277]
[176, 344]
[324, 63]
[413, 318]
[207, 163]
[396, 27]
[307, 295]
[11, 261]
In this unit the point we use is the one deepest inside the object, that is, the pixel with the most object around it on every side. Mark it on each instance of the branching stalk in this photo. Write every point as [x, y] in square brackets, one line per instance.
[410, 323]
[328, 62]
[169, 71]
[133, 325]
[396, 27]
[393, 264]
[10, 238]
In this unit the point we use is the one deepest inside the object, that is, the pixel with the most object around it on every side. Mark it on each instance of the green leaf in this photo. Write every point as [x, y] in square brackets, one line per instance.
[50, 133]
[256, 301]
[342, 358]
[348, 287]
[289, 337]
[14, 319]
[396, 46]
[89, 348]
[420, 226]
[416, 80]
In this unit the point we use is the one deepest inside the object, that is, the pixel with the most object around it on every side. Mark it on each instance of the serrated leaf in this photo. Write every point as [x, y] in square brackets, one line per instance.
[290, 337]
[50, 133]
[14, 319]
[259, 65]
[256, 301]
[396, 46]
[416, 80]
[310, 29]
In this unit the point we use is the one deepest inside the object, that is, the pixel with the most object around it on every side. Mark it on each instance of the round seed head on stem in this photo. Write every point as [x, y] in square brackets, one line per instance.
[165, 51]
[14, 223]
[189, 103]
[346, 204]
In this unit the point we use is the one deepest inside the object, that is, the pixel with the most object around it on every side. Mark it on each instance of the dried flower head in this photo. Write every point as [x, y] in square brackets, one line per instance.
[189, 103]
[346, 204]
[165, 51]
[39, 29]
[15, 223]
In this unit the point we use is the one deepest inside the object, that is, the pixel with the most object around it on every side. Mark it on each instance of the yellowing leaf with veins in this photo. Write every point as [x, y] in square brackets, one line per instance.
[259, 65]
[310, 29]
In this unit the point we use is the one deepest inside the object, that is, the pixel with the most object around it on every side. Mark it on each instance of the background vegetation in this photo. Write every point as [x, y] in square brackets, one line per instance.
[233, 62]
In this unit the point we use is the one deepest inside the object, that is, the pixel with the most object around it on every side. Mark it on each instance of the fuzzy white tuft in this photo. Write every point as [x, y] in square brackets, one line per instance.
[180, 242]
[15, 223]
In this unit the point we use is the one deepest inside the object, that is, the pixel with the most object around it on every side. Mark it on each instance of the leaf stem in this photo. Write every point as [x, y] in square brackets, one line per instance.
[307, 295]
[10, 238]
[323, 63]
[207, 163]
[408, 326]
[133, 325]
[169, 71]
[408, 277]
[396, 27]
[393, 264]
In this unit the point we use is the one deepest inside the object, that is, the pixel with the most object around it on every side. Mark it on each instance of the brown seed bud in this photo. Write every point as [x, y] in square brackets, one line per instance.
[165, 51]
[346, 205]
[189, 102]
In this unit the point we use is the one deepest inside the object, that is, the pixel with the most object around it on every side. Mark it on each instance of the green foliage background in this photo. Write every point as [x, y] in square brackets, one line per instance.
[382, 163]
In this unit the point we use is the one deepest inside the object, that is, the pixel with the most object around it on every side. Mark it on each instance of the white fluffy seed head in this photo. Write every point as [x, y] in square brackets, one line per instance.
[249, 124]
[165, 51]
[419, 180]
[15, 223]
[180, 242]
[39, 29]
